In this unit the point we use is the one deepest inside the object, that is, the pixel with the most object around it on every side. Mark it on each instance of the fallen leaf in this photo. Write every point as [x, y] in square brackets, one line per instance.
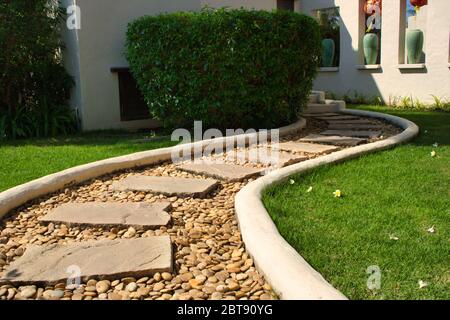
[309, 189]
[392, 237]
[422, 284]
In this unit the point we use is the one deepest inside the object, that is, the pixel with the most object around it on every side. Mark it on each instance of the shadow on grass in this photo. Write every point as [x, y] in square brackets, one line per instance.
[95, 138]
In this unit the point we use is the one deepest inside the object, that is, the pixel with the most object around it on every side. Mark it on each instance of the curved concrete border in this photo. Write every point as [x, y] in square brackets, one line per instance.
[289, 274]
[21, 194]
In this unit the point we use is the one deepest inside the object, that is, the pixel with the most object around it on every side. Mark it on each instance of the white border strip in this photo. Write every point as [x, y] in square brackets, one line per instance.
[21, 194]
[290, 275]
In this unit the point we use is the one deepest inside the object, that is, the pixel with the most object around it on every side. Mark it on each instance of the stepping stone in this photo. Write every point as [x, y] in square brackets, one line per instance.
[351, 121]
[352, 133]
[304, 147]
[351, 126]
[267, 156]
[169, 186]
[341, 117]
[107, 214]
[102, 259]
[224, 171]
[335, 140]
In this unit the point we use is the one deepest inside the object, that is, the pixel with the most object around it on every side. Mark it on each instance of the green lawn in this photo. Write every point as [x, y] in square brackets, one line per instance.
[24, 160]
[394, 194]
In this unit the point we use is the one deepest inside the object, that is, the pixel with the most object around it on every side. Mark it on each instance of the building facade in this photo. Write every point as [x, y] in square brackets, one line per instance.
[105, 96]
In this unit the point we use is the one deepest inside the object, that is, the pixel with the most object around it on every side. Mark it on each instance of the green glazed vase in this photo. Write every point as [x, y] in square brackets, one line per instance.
[414, 45]
[371, 48]
[328, 50]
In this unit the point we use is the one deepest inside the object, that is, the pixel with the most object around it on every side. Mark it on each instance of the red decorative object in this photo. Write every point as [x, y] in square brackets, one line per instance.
[419, 3]
[373, 2]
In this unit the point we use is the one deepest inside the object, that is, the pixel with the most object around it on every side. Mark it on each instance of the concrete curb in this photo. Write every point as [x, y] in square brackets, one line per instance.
[291, 277]
[21, 194]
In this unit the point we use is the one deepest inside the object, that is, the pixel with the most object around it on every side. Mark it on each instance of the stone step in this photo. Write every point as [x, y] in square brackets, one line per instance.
[340, 117]
[320, 95]
[352, 133]
[304, 147]
[108, 214]
[102, 259]
[322, 108]
[353, 126]
[314, 98]
[334, 140]
[223, 171]
[266, 156]
[169, 186]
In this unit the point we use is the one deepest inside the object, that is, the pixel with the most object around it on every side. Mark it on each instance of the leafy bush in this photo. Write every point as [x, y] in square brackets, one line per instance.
[228, 68]
[34, 86]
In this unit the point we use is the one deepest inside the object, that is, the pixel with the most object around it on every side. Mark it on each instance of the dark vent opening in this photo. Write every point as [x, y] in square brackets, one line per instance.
[132, 103]
[285, 5]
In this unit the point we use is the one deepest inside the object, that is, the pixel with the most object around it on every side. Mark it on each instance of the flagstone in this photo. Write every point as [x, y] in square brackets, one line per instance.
[352, 133]
[353, 126]
[224, 171]
[267, 156]
[304, 147]
[104, 214]
[101, 259]
[334, 140]
[169, 186]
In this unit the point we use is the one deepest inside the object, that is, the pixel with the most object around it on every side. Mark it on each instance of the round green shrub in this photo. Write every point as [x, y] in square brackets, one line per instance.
[227, 68]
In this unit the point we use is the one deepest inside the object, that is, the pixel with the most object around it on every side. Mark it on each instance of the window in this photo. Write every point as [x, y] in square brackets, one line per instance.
[285, 4]
[370, 32]
[329, 21]
[413, 26]
[132, 104]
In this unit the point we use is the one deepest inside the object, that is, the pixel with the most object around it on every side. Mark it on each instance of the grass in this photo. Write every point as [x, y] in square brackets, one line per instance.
[398, 193]
[24, 160]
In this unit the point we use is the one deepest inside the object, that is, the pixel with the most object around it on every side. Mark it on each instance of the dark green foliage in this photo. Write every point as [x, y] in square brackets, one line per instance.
[228, 68]
[34, 86]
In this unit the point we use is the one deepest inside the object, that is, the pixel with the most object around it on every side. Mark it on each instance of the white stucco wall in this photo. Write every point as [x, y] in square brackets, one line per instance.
[389, 81]
[100, 45]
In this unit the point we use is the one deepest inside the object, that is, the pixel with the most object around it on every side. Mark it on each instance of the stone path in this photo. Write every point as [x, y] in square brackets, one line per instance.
[105, 214]
[168, 186]
[101, 259]
[101, 226]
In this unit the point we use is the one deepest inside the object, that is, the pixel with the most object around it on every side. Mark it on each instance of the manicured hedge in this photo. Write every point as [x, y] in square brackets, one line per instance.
[228, 68]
